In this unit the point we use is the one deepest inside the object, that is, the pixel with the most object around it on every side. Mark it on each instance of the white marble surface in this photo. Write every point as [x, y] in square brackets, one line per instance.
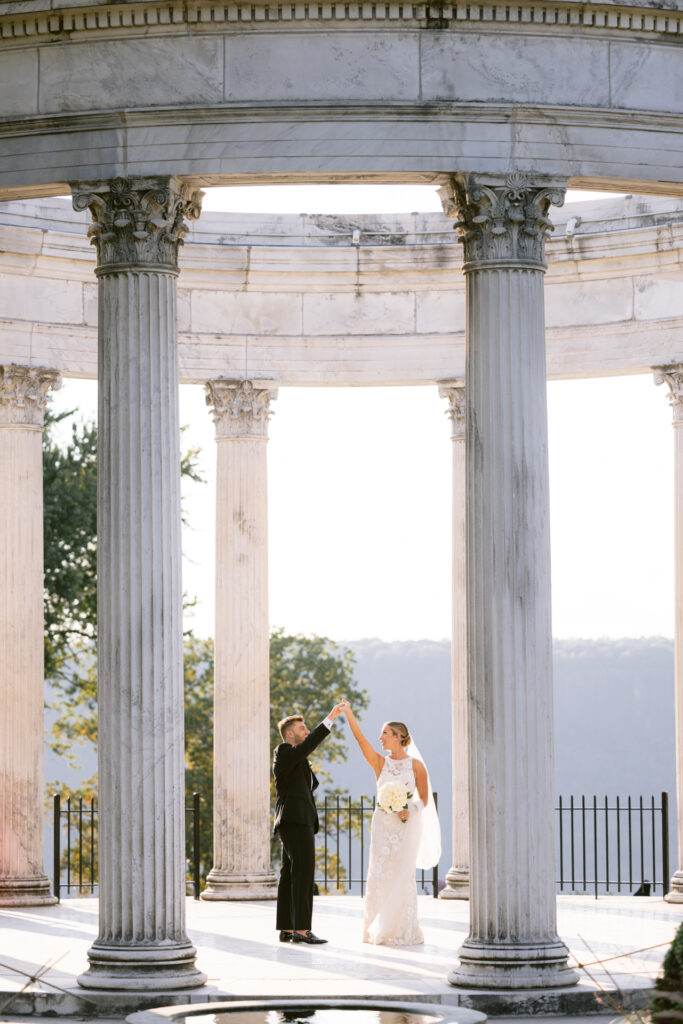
[239, 950]
[22, 401]
[142, 941]
[458, 875]
[291, 298]
[219, 91]
[241, 789]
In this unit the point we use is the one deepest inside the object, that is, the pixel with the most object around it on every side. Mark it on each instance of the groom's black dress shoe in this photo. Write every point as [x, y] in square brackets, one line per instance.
[285, 936]
[309, 937]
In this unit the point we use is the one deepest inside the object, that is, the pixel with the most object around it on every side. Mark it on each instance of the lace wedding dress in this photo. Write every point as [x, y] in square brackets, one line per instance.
[391, 894]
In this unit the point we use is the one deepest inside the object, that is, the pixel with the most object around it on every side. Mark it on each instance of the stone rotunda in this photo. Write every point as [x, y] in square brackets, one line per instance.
[132, 108]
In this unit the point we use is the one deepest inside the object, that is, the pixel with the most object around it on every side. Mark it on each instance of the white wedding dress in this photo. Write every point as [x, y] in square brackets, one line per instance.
[391, 894]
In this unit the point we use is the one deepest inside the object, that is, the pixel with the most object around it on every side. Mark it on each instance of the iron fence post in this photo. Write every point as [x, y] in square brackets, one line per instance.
[435, 869]
[665, 842]
[56, 843]
[195, 842]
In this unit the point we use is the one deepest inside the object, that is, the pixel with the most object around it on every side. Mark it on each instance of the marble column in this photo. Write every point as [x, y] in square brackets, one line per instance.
[241, 809]
[138, 224]
[23, 395]
[458, 875]
[672, 376]
[513, 941]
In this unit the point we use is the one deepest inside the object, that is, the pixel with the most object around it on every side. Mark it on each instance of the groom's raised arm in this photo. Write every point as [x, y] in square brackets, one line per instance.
[288, 756]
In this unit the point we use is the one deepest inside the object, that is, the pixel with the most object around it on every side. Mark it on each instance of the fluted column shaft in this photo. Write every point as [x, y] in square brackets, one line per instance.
[241, 865]
[23, 394]
[458, 875]
[673, 377]
[142, 942]
[513, 940]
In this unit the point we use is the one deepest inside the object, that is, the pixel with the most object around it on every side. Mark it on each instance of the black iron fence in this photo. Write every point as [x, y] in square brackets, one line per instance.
[74, 845]
[613, 845]
[617, 846]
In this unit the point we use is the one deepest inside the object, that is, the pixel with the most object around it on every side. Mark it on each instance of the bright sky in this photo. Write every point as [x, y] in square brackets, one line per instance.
[360, 488]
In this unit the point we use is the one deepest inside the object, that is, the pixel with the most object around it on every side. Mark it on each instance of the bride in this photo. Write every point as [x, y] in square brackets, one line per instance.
[400, 840]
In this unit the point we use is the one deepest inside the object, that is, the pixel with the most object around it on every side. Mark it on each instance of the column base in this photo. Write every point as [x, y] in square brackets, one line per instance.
[141, 968]
[457, 885]
[513, 965]
[675, 894]
[228, 885]
[26, 892]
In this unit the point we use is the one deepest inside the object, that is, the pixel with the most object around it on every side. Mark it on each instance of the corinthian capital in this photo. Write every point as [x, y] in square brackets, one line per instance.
[673, 377]
[23, 395]
[454, 392]
[137, 222]
[240, 408]
[502, 220]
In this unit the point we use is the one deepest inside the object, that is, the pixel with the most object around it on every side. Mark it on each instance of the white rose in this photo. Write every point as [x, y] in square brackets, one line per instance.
[392, 796]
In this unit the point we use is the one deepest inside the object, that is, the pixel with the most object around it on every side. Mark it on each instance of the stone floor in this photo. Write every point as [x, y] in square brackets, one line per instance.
[238, 950]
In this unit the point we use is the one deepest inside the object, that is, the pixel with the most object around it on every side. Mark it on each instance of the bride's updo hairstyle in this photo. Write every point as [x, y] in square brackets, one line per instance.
[401, 731]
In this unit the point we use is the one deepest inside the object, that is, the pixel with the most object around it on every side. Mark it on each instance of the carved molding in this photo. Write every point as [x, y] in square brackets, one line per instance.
[137, 221]
[534, 15]
[23, 395]
[502, 220]
[240, 408]
[672, 376]
[454, 392]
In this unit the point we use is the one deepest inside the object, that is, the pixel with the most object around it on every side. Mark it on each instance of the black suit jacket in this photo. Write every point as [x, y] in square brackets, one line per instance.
[295, 781]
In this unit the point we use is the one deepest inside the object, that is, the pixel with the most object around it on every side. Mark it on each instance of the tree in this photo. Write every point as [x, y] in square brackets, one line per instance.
[199, 742]
[308, 676]
[70, 560]
[70, 542]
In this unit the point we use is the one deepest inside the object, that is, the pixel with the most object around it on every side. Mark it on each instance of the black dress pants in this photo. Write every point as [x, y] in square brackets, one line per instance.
[297, 874]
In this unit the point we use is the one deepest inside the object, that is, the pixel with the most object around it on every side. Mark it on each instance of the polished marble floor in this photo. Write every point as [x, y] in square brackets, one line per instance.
[238, 949]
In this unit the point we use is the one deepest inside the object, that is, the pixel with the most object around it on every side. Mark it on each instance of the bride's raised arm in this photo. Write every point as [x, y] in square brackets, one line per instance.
[374, 759]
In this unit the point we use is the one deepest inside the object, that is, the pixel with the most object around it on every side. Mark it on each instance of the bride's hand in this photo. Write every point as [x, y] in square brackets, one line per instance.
[404, 814]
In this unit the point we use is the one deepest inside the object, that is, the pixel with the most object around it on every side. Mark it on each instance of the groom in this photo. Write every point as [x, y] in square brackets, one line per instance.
[296, 822]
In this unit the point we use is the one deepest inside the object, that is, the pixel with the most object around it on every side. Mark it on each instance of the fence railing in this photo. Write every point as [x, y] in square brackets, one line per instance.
[74, 845]
[602, 846]
[613, 846]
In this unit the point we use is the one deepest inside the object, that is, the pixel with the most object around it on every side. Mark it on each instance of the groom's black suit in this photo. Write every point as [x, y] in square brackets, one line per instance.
[296, 822]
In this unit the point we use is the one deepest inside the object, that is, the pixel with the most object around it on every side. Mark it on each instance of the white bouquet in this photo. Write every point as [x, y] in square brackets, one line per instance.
[393, 797]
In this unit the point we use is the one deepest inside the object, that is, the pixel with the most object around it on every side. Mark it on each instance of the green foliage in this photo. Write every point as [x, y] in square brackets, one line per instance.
[199, 744]
[667, 1001]
[70, 558]
[70, 541]
[78, 861]
[308, 676]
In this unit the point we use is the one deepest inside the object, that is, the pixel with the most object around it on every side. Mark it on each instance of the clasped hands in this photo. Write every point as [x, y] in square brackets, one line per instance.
[339, 709]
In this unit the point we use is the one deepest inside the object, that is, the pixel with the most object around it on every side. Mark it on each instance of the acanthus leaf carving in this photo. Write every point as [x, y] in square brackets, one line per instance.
[240, 408]
[502, 220]
[23, 394]
[454, 392]
[138, 221]
[672, 376]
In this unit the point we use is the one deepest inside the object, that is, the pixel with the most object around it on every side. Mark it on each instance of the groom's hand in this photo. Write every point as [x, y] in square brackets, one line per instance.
[337, 710]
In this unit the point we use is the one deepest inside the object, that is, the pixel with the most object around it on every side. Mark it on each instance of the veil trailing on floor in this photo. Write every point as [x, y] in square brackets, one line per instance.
[429, 851]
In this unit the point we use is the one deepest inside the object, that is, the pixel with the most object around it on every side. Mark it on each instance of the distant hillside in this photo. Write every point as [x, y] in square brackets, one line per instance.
[614, 717]
[614, 714]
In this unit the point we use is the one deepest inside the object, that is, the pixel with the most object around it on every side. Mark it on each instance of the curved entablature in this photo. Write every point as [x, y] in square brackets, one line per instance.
[219, 92]
[351, 300]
